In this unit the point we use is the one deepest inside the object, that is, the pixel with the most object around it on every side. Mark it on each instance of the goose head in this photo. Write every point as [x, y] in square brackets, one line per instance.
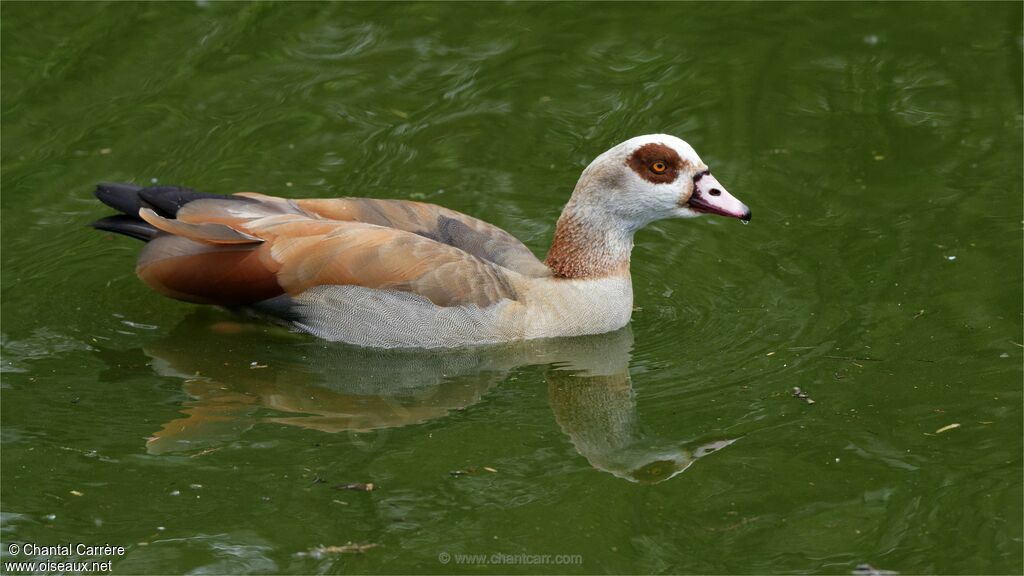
[653, 177]
[641, 180]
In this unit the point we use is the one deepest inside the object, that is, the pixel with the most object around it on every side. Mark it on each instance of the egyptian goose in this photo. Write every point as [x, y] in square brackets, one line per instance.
[397, 273]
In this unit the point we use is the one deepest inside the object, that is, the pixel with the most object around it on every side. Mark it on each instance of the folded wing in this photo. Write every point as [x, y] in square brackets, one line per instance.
[223, 251]
[468, 234]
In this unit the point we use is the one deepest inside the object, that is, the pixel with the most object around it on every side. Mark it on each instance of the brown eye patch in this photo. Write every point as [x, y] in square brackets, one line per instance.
[656, 163]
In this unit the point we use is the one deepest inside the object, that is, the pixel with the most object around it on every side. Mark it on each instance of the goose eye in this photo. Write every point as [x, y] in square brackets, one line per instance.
[659, 167]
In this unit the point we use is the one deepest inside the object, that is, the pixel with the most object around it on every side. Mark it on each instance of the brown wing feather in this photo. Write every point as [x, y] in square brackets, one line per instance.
[294, 248]
[361, 254]
[211, 232]
[206, 273]
[228, 210]
[471, 235]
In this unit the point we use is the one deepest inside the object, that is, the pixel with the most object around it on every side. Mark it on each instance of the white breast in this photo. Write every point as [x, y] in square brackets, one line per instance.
[549, 308]
[563, 307]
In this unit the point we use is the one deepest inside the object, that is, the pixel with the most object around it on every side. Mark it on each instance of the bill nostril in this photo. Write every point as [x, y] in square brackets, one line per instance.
[715, 192]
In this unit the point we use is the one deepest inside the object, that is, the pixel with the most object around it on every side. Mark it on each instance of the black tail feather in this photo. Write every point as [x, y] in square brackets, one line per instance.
[129, 198]
[165, 200]
[121, 197]
[124, 224]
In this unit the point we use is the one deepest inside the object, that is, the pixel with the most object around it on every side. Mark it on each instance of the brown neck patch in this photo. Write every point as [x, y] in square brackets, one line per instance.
[649, 158]
[577, 252]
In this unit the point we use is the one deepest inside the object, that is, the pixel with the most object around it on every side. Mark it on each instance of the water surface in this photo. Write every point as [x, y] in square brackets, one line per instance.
[879, 147]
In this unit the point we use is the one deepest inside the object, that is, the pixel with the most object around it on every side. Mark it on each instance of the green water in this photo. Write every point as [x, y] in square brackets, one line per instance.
[878, 145]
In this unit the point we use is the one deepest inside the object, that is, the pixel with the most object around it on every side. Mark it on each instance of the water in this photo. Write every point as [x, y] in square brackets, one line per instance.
[879, 145]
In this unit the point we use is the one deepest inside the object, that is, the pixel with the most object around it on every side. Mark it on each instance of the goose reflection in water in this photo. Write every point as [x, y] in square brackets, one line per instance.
[336, 388]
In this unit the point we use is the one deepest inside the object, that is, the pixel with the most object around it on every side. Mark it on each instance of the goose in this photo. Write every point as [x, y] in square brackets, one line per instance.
[405, 274]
